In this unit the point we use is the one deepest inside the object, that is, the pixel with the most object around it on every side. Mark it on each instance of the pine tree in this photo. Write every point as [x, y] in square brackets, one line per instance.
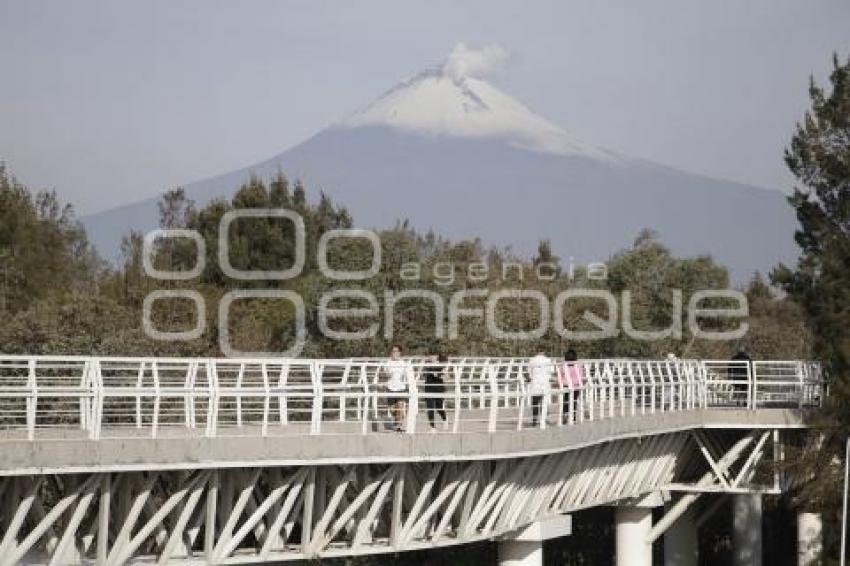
[819, 157]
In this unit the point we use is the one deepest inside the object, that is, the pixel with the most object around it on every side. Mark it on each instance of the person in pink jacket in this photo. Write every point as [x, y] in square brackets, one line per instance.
[571, 378]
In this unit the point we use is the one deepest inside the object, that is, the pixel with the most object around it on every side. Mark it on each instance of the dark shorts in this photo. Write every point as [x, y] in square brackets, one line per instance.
[434, 389]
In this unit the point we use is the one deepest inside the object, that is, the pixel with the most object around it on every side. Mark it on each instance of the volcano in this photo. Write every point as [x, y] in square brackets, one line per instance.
[450, 152]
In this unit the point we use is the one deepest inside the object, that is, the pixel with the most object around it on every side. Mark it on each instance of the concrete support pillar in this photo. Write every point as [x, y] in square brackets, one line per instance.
[809, 538]
[746, 530]
[681, 542]
[633, 526]
[525, 546]
[520, 553]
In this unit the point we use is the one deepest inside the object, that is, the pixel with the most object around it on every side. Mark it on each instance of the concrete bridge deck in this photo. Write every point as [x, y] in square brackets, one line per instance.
[174, 450]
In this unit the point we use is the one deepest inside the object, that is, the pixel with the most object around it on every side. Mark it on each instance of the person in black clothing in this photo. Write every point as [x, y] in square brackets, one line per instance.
[739, 372]
[435, 388]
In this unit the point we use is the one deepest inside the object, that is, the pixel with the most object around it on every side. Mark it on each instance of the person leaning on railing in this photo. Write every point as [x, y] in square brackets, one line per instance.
[399, 377]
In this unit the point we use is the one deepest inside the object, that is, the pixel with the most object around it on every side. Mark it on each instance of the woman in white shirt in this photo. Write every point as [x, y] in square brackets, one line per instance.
[399, 376]
[539, 377]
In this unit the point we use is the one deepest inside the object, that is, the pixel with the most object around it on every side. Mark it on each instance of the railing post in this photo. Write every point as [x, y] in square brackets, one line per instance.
[696, 384]
[156, 399]
[96, 381]
[363, 398]
[32, 399]
[666, 391]
[456, 424]
[674, 368]
[576, 400]
[682, 384]
[520, 397]
[751, 380]
[316, 414]
[508, 371]
[83, 402]
[282, 402]
[343, 397]
[544, 406]
[492, 373]
[673, 385]
[239, 377]
[212, 405]
[374, 397]
[652, 388]
[139, 383]
[700, 377]
[189, 394]
[601, 392]
[481, 387]
[364, 404]
[412, 407]
[622, 388]
[562, 381]
[267, 398]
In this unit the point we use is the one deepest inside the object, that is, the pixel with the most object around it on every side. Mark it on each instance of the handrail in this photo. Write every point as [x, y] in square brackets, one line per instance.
[45, 396]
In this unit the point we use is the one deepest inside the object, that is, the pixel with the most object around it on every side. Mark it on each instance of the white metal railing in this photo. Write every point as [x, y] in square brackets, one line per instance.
[50, 396]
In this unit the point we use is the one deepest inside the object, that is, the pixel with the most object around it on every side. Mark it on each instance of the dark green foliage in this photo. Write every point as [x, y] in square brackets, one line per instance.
[647, 271]
[43, 249]
[819, 157]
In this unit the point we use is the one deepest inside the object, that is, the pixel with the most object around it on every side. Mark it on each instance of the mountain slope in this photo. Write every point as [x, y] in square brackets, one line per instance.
[451, 152]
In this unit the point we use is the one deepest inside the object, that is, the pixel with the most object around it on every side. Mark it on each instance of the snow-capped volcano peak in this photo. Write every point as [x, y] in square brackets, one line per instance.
[452, 101]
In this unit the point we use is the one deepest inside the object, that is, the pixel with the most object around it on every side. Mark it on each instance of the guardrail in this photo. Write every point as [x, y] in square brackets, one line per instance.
[63, 396]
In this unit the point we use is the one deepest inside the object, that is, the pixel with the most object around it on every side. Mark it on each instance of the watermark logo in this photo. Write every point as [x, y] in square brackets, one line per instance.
[549, 312]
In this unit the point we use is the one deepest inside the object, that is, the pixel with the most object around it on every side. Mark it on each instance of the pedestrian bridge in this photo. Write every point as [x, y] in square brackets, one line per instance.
[226, 461]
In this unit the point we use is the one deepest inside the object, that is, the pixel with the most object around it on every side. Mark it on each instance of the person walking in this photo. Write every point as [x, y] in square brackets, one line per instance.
[571, 378]
[435, 388]
[399, 377]
[539, 377]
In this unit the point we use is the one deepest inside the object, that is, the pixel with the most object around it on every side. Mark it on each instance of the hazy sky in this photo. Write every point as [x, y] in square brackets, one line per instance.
[111, 102]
